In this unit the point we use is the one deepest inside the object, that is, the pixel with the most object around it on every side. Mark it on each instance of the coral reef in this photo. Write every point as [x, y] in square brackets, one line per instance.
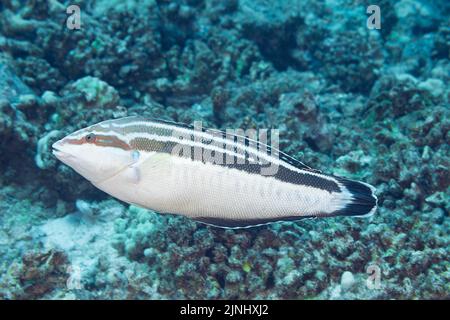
[367, 104]
[38, 274]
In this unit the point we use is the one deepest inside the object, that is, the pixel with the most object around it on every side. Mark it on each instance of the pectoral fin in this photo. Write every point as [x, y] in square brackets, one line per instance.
[155, 161]
[146, 166]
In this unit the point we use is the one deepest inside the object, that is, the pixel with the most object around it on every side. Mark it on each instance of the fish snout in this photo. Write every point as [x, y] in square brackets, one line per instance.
[59, 150]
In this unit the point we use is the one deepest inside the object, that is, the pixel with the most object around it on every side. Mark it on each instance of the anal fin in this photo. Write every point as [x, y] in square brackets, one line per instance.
[247, 223]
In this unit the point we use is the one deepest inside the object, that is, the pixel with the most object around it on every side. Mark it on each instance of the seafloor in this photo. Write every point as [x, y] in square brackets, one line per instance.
[372, 105]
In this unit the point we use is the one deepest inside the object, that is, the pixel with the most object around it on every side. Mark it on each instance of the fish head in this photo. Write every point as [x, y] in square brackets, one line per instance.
[98, 152]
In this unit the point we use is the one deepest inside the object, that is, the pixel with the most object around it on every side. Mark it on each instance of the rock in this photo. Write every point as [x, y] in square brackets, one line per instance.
[347, 281]
[11, 86]
[96, 92]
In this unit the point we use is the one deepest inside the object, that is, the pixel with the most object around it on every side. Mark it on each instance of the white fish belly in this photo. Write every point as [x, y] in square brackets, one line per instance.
[170, 184]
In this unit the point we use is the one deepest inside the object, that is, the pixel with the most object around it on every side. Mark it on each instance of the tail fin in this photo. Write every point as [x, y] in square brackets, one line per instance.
[362, 199]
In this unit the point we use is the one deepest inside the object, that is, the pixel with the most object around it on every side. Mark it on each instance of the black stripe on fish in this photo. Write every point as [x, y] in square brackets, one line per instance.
[280, 172]
[289, 176]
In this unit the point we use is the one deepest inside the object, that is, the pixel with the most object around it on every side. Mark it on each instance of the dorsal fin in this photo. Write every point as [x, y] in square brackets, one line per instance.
[296, 163]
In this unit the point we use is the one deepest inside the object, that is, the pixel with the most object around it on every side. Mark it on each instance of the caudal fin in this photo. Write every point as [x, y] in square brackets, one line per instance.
[362, 201]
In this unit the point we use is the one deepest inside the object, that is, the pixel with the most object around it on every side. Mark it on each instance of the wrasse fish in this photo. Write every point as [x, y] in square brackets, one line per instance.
[152, 164]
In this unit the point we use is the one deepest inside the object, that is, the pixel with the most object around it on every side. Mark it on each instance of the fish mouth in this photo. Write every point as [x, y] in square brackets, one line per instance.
[58, 151]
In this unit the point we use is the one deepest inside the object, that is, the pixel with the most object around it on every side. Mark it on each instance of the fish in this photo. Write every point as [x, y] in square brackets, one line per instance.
[213, 177]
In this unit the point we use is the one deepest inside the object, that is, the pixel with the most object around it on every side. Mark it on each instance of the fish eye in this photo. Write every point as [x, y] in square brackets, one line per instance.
[90, 138]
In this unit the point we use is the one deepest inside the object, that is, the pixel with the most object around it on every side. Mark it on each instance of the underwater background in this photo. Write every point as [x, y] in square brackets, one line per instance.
[364, 103]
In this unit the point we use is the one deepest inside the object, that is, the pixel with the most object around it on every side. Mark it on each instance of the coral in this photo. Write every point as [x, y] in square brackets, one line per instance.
[95, 91]
[441, 43]
[42, 148]
[11, 85]
[36, 276]
[268, 25]
[399, 95]
[351, 60]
